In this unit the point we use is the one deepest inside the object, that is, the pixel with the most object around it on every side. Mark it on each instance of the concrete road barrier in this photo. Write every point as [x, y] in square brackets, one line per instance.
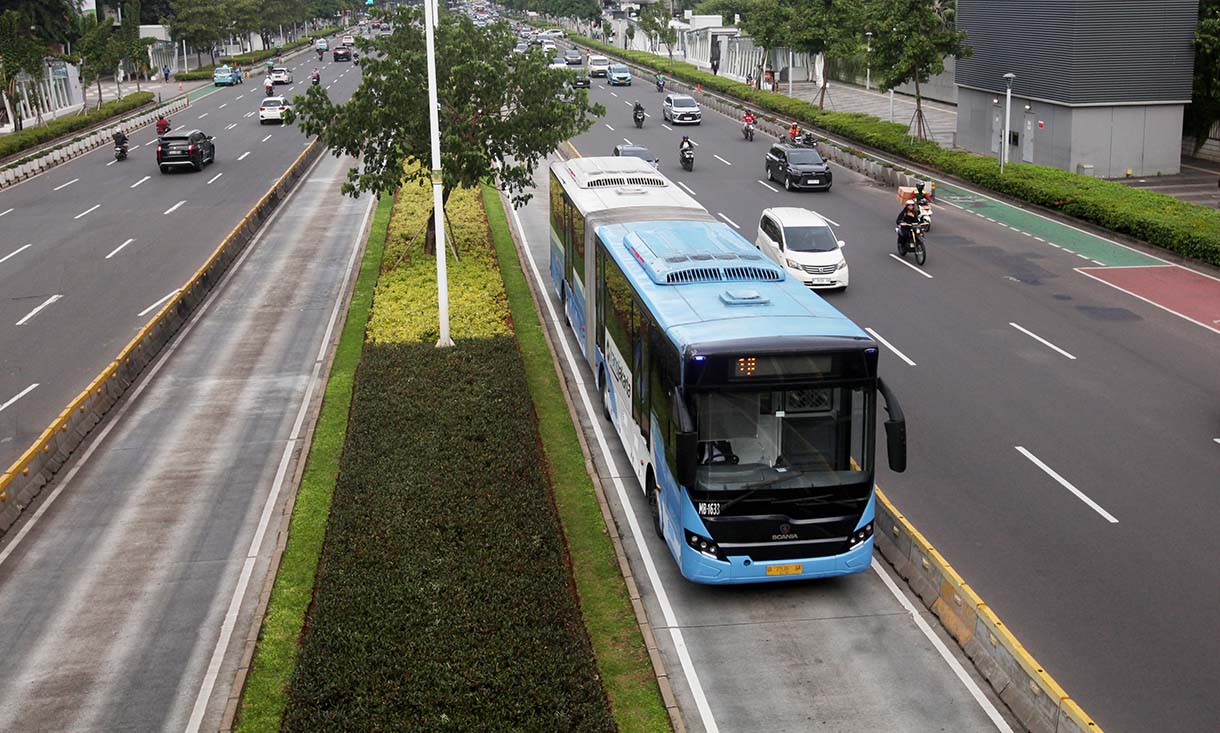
[39, 464]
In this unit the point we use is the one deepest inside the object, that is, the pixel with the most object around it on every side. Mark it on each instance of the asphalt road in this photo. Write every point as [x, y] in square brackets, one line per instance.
[88, 248]
[126, 598]
[1017, 366]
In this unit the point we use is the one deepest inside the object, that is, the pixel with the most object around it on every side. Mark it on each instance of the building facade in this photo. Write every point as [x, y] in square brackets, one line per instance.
[1099, 87]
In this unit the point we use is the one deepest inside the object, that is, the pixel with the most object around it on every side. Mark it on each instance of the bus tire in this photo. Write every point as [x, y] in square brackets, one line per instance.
[654, 504]
[606, 397]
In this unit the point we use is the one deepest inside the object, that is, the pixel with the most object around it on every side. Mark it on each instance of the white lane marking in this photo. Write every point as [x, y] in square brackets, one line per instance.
[249, 114]
[1065, 484]
[226, 104]
[16, 252]
[1041, 340]
[231, 126]
[945, 654]
[913, 267]
[65, 185]
[608, 127]
[151, 142]
[243, 155]
[1217, 440]
[119, 248]
[1040, 239]
[239, 96]
[230, 620]
[174, 208]
[625, 101]
[213, 178]
[768, 185]
[154, 305]
[628, 141]
[730, 221]
[111, 163]
[145, 178]
[688, 188]
[722, 160]
[613, 94]
[266, 138]
[179, 127]
[667, 127]
[205, 114]
[18, 396]
[890, 346]
[6, 211]
[37, 310]
[671, 619]
[827, 218]
[694, 143]
[86, 211]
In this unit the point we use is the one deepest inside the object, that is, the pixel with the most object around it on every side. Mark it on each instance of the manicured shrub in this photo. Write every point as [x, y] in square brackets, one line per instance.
[1187, 229]
[32, 137]
[443, 599]
[204, 73]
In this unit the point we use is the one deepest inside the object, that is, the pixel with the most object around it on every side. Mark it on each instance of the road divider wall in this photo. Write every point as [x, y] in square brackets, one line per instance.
[1037, 701]
[21, 483]
[64, 151]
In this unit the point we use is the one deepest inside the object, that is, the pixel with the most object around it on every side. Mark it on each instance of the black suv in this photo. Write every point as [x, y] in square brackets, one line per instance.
[192, 148]
[343, 53]
[798, 167]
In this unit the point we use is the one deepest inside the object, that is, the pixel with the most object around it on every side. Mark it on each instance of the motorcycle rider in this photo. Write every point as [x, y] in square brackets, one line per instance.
[637, 109]
[120, 139]
[660, 78]
[748, 118]
[268, 86]
[162, 125]
[907, 218]
[793, 131]
[315, 77]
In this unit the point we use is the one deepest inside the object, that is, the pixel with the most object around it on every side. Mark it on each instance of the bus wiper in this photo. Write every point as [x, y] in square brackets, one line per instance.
[755, 488]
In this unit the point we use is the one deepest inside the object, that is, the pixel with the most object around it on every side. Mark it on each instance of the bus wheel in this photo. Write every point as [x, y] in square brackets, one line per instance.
[606, 397]
[654, 506]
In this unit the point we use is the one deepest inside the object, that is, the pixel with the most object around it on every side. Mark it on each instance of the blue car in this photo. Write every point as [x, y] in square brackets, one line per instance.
[225, 76]
[619, 75]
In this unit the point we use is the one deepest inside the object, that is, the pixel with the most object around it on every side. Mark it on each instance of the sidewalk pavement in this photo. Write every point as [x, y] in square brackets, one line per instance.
[843, 97]
[1198, 183]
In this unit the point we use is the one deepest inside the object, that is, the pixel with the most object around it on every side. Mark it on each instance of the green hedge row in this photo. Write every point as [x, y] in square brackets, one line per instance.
[443, 599]
[204, 73]
[1187, 229]
[32, 137]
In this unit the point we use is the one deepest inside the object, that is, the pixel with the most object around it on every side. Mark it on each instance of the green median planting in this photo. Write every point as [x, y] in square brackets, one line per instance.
[204, 73]
[32, 137]
[1187, 229]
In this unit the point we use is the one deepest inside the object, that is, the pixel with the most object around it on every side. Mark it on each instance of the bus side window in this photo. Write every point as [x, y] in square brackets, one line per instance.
[639, 368]
[661, 391]
[599, 278]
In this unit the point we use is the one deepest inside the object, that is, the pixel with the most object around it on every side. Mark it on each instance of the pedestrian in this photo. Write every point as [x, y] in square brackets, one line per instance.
[165, 73]
[715, 66]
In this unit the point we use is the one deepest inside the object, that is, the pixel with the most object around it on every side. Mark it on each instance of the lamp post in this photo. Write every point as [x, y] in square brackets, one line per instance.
[1007, 107]
[438, 198]
[868, 60]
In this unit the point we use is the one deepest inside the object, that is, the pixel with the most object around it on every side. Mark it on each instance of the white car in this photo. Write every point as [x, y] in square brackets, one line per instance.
[281, 75]
[273, 109]
[349, 41]
[552, 33]
[549, 47]
[558, 63]
[803, 243]
[681, 109]
[598, 65]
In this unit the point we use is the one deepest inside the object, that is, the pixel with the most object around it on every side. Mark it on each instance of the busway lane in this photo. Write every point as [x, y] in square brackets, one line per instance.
[1041, 557]
[839, 654]
[102, 301]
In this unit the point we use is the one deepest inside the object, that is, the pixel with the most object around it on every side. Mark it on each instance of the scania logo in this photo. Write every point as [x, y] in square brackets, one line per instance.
[784, 529]
[785, 533]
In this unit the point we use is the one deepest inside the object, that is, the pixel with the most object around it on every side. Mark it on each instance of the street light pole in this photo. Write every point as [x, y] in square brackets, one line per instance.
[868, 60]
[1007, 107]
[438, 196]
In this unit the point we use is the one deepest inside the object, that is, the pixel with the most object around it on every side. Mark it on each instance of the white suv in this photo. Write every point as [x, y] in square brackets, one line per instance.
[281, 75]
[803, 243]
[273, 109]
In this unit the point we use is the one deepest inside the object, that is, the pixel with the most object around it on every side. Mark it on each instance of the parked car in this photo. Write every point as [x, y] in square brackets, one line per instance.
[185, 148]
[619, 75]
[598, 65]
[225, 76]
[573, 57]
[798, 167]
[803, 243]
[281, 75]
[681, 109]
[342, 53]
[636, 151]
[273, 109]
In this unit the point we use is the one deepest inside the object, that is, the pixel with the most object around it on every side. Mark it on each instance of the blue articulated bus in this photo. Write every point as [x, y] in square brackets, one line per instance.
[746, 404]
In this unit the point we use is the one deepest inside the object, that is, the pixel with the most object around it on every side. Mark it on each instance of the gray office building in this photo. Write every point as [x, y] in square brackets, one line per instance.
[1100, 84]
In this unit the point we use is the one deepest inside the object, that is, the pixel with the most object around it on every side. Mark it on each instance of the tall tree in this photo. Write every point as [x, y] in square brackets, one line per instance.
[1204, 109]
[134, 49]
[654, 19]
[243, 19]
[198, 22]
[921, 34]
[21, 53]
[826, 27]
[54, 21]
[498, 119]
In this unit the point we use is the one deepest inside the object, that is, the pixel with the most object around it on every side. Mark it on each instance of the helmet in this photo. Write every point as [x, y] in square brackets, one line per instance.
[685, 138]
[910, 202]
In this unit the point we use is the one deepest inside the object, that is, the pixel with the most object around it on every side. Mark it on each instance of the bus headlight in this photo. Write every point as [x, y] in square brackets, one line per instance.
[704, 546]
[860, 535]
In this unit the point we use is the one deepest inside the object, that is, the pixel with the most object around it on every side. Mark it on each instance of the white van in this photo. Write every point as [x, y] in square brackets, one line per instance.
[598, 65]
[803, 243]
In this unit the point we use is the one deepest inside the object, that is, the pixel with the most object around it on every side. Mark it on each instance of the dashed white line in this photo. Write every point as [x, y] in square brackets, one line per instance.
[174, 208]
[239, 96]
[65, 185]
[151, 142]
[119, 248]
[628, 141]
[1041, 340]
[6, 211]
[243, 155]
[266, 138]
[890, 346]
[231, 126]
[1065, 484]
[613, 94]
[722, 160]
[768, 185]
[913, 267]
[38, 310]
[249, 114]
[145, 178]
[95, 207]
[1040, 239]
[730, 221]
[608, 127]
[226, 104]
[15, 252]
[667, 127]
[692, 142]
[1216, 440]
[213, 178]
[18, 396]
[688, 188]
[205, 114]
[154, 305]
[179, 127]
[827, 218]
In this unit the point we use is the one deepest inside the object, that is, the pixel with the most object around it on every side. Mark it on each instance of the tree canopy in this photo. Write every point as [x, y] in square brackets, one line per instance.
[1204, 109]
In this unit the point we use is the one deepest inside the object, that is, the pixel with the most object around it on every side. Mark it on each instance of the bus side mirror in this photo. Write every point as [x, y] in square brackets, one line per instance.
[895, 429]
[688, 458]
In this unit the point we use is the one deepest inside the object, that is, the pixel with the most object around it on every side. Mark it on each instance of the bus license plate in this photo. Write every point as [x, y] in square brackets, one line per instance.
[784, 569]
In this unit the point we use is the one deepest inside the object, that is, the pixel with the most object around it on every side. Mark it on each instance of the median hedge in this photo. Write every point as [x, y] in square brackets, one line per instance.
[204, 73]
[443, 599]
[1190, 230]
[32, 137]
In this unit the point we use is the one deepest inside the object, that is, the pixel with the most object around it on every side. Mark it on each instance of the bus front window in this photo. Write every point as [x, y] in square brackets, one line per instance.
[783, 438]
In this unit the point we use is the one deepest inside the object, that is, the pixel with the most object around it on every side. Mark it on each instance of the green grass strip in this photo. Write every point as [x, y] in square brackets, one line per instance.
[266, 694]
[622, 659]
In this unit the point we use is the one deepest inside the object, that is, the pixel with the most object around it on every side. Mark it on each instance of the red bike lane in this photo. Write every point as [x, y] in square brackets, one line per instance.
[1186, 293]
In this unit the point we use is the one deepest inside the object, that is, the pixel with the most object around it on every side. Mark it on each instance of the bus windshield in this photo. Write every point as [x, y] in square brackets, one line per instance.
[783, 438]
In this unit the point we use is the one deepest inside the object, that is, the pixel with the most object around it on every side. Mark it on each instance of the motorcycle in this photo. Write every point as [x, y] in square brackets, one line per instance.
[687, 157]
[120, 151]
[660, 85]
[638, 116]
[747, 131]
[913, 244]
[268, 89]
[162, 128]
[316, 79]
[806, 140]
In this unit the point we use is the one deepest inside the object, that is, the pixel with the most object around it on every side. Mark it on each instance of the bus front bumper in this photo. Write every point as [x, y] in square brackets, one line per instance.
[699, 568]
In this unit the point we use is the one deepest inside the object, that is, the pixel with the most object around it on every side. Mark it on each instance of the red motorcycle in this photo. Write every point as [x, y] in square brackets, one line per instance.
[162, 126]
